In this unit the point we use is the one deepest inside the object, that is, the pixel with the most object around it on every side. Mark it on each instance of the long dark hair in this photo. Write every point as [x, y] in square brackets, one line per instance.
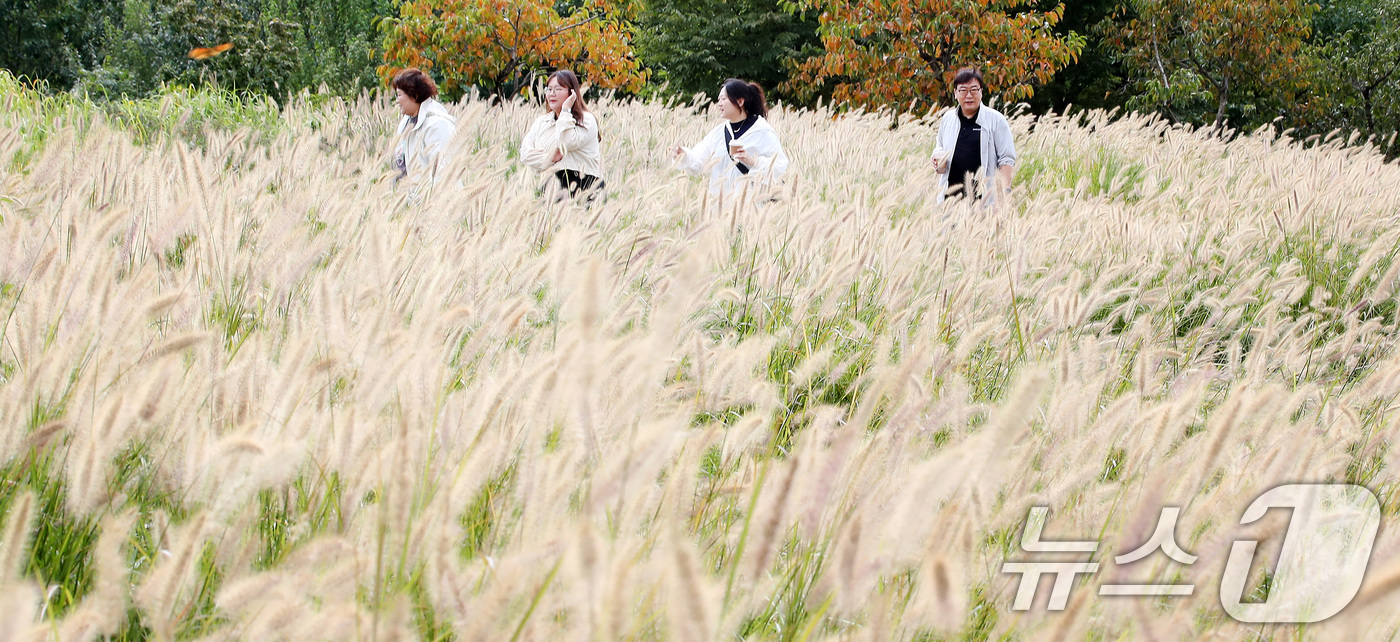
[749, 92]
[569, 81]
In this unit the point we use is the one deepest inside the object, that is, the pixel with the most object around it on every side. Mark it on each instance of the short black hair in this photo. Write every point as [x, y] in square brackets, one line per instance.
[416, 84]
[967, 75]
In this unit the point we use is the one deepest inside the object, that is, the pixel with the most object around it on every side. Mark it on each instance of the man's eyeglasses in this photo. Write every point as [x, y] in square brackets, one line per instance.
[968, 90]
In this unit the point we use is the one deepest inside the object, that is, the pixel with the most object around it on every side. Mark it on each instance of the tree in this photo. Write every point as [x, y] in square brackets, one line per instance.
[1183, 55]
[504, 45]
[694, 45]
[1096, 79]
[338, 41]
[1356, 78]
[903, 53]
[148, 46]
[54, 41]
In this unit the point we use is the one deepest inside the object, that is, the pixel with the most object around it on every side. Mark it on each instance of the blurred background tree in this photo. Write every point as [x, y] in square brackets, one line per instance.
[503, 47]
[150, 43]
[1311, 65]
[131, 47]
[338, 42]
[1096, 80]
[691, 46]
[1355, 76]
[903, 53]
[1213, 61]
[54, 41]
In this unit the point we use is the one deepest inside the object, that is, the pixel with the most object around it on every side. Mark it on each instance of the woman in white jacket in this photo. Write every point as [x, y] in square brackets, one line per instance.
[743, 148]
[565, 139]
[424, 131]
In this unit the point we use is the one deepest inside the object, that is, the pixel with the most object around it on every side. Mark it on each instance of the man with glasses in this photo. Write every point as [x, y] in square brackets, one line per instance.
[975, 154]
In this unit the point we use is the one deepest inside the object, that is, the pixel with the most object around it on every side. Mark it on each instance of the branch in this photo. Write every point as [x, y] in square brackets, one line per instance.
[516, 48]
[1157, 56]
[1386, 76]
[1220, 85]
[563, 29]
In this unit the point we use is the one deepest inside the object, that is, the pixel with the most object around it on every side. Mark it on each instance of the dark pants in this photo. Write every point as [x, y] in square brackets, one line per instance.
[970, 185]
[574, 182]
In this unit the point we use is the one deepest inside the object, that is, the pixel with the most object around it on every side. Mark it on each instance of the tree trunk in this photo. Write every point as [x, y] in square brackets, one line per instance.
[1220, 111]
[1370, 112]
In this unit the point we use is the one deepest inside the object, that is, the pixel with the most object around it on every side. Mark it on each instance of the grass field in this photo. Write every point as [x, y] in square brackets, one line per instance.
[250, 391]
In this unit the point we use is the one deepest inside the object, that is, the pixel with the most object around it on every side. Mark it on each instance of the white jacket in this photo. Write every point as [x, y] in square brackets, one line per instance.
[424, 144]
[997, 147]
[579, 142]
[712, 154]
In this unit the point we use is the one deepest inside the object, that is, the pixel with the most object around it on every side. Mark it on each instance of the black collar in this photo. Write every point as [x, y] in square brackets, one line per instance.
[738, 129]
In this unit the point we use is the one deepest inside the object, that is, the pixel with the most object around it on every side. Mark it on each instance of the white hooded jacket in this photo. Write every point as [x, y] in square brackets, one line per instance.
[712, 154]
[424, 144]
[578, 141]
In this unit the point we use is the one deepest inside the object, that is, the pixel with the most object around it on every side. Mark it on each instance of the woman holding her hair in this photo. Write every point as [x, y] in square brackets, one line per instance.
[565, 138]
[743, 146]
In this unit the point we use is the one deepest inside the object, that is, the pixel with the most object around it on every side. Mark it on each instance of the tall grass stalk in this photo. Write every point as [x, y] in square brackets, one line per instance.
[254, 390]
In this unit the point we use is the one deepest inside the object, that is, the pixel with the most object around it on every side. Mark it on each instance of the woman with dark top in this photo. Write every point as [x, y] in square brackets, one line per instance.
[743, 147]
[975, 154]
[565, 138]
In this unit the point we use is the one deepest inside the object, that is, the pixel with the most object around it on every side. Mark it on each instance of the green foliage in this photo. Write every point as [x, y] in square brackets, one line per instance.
[695, 45]
[60, 546]
[234, 315]
[791, 613]
[143, 50]
[1106, 173]
[189, 114]
[150, 46]
[131, 48]
[337, 41]
[1095, 81]
[177, 112]
[53, 40]
[1212, 61]
[1356, 73]
[481, 518]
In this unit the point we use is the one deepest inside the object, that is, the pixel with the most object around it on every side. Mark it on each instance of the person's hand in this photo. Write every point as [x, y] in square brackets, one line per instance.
[742, 155]
[677, 152]
[569, 102]
[940, 163]
[558, 156]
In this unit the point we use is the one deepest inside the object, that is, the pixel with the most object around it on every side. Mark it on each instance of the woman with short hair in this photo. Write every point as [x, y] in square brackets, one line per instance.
[425, 129]
[743, 147]
[565, 138]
